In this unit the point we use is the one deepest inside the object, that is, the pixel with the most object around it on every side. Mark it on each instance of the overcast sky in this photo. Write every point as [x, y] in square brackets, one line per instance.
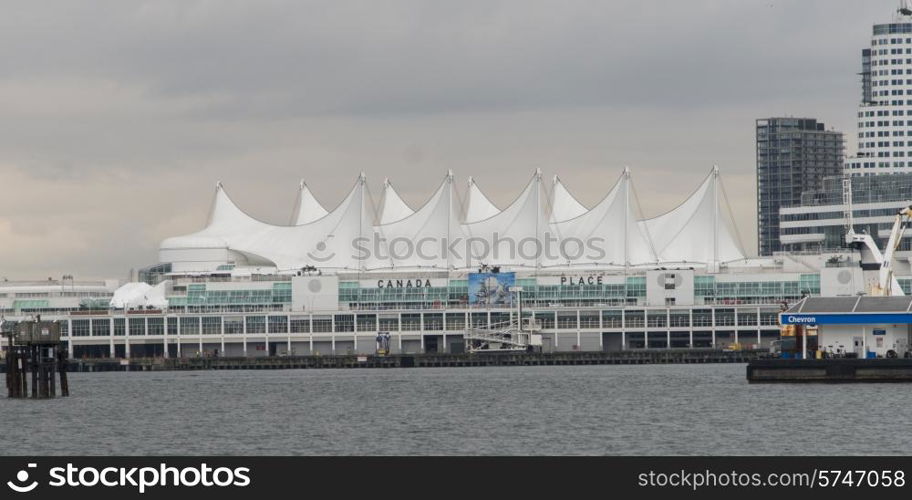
[117, 118]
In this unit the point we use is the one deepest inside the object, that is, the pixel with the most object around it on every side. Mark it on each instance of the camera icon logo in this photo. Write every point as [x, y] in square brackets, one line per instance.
[22, 477]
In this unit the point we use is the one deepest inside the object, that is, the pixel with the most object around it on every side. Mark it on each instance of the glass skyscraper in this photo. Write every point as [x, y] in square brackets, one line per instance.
[793, 156]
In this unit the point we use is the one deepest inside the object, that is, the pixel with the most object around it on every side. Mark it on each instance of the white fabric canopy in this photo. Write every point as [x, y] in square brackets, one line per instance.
[308, 208]
[699, 231]
[563, 205]
[419, 240]
[607, 235]
[478, 206]
[327, 242]
[503, 239]
[392, 207]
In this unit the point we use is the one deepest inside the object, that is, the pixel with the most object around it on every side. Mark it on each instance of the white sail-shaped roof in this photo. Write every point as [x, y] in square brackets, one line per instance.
[419, 240]
[478, 206]
[392, 207]
[563, 205]
[325, 243]
[697, 231]
[607, 235]
[307, 209]
[507, 238]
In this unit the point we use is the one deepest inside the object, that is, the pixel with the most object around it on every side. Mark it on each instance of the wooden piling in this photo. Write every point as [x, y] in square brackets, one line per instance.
[52, 369]
[33, 367]
[62, 368]
[9, 366]
[34, 348]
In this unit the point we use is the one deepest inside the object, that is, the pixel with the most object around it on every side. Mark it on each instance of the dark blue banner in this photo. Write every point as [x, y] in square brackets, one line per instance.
[846, 319]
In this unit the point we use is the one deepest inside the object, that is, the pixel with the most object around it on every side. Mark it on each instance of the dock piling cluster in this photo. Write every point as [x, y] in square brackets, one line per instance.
[34, 349]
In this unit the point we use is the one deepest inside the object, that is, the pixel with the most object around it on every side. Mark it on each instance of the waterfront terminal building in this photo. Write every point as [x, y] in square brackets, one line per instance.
[591, 279]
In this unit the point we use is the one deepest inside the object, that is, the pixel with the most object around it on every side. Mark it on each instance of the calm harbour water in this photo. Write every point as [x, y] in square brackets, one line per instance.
[585, 410]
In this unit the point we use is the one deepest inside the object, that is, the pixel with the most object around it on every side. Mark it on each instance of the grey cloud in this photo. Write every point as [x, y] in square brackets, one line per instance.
[134, 109]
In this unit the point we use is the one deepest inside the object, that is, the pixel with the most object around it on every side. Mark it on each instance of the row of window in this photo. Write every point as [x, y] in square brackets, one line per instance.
[885, 62]
[882, 29]
[882, 133]
[884, 112]
[883, 154]
[891, 29]
[886, 123]
[882, 164]
[885, 83]
[344, 323]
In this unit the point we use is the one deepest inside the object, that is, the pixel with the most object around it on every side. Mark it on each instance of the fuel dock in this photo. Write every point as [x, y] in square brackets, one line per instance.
[841, 339]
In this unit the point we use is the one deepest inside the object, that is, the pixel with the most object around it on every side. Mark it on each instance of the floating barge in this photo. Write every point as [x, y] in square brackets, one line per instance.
[842, 339]
[829, 370]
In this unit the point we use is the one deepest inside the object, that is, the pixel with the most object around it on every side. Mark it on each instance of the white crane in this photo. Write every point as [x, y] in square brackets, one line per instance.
[873, 259]
[887, 284]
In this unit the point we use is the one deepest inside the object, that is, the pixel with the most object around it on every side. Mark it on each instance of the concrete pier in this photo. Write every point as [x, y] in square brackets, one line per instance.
[829, 370]
[645, 356]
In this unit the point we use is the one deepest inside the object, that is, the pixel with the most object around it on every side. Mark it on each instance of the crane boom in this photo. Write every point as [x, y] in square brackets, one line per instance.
[888, 283]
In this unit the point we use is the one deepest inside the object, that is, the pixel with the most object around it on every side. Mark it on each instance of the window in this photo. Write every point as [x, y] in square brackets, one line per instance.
[137, 326]
[278, 324]
[300, 325]
[256, 324]
[156, 326]
[101, 327]
[190, 326]
[80, 328]
[212, 325]
[234, 325]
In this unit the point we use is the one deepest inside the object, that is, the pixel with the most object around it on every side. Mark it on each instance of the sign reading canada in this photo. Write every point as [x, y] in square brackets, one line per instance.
[403, 283]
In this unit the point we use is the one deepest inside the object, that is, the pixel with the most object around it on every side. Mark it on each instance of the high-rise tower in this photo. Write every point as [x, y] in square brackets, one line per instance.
[794, 155]
[885, 112]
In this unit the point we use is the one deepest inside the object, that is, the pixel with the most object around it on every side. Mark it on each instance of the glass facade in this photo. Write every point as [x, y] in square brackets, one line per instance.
[456, 295]
[708, 289]
[200, 298]
[793, 155]
[876, 200]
